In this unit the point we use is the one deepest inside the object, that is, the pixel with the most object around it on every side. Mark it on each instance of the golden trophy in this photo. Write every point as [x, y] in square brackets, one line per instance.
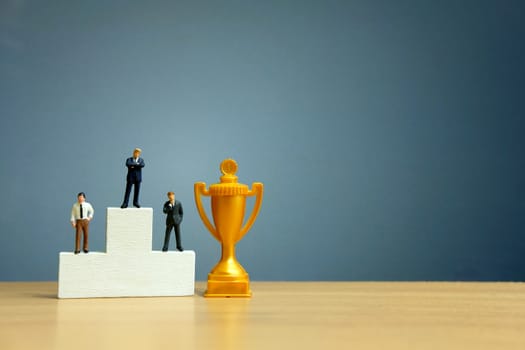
[228, 201]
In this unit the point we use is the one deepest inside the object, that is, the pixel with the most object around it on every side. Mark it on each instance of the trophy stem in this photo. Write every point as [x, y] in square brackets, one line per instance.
[228, 278]
[228, 253]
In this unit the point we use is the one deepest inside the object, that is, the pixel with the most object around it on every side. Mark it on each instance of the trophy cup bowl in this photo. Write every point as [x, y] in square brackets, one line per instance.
[228, 202]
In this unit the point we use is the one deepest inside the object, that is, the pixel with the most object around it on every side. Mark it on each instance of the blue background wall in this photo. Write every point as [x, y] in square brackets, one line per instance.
[389, 134]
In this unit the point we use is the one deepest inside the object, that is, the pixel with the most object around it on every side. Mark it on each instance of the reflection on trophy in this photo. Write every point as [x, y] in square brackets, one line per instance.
[228, 201]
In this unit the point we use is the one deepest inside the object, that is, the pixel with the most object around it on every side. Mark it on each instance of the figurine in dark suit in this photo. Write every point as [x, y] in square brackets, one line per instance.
[134, 178]
[173, 210]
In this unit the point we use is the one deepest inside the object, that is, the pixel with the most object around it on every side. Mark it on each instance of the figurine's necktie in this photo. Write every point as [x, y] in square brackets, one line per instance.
[81, 211]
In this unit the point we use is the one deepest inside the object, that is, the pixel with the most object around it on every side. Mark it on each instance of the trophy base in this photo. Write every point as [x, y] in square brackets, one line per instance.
[228, 289]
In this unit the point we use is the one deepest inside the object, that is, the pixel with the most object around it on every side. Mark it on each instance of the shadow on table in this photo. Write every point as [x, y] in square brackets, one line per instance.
[200, 291]
[45, 296]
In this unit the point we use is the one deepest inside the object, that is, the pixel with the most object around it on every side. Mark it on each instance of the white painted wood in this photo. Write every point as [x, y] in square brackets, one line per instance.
[129, 268]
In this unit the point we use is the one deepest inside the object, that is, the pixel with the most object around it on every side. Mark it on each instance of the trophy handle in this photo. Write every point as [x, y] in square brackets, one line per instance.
[200, 188]
[257, 189]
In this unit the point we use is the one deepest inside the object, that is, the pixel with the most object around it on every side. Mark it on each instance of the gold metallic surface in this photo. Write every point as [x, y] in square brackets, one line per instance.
[228, 201]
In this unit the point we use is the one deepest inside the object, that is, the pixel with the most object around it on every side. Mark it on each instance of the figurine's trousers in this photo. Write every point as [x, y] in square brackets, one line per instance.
[82, 225]
[135, 193]
[168, 233]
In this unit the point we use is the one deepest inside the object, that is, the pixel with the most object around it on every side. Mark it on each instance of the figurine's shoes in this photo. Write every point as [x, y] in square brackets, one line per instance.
[180, 249]
[164, 249]
[136, 205]
[77, 251]
[123, 206]
[86, 251]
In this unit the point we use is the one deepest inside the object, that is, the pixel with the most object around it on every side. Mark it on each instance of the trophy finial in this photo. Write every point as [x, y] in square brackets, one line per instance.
[228, 170]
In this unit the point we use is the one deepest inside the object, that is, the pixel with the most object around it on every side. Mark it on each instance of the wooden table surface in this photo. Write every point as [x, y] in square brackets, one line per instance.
[291, 315]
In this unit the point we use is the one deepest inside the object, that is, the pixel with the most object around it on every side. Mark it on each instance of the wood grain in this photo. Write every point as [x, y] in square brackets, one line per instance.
[295, 315]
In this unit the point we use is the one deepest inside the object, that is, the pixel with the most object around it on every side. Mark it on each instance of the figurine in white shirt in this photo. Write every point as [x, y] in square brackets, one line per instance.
[81, 214]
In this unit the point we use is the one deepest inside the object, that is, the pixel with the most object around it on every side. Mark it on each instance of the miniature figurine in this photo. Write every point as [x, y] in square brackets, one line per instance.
[228, 201]
[134, 177]
[81, 214]
[173, 210]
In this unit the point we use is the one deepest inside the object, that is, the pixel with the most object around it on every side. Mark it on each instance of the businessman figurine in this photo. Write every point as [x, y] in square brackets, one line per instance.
[81, 215]
[173, 210]
[134, 178]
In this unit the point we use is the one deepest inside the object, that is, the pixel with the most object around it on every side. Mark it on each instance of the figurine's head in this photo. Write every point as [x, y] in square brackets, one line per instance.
[137, 152]
[81, 197]
[171, 196]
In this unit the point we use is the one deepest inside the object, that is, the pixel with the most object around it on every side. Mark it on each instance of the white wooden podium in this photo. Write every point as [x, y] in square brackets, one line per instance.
[129, 268]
